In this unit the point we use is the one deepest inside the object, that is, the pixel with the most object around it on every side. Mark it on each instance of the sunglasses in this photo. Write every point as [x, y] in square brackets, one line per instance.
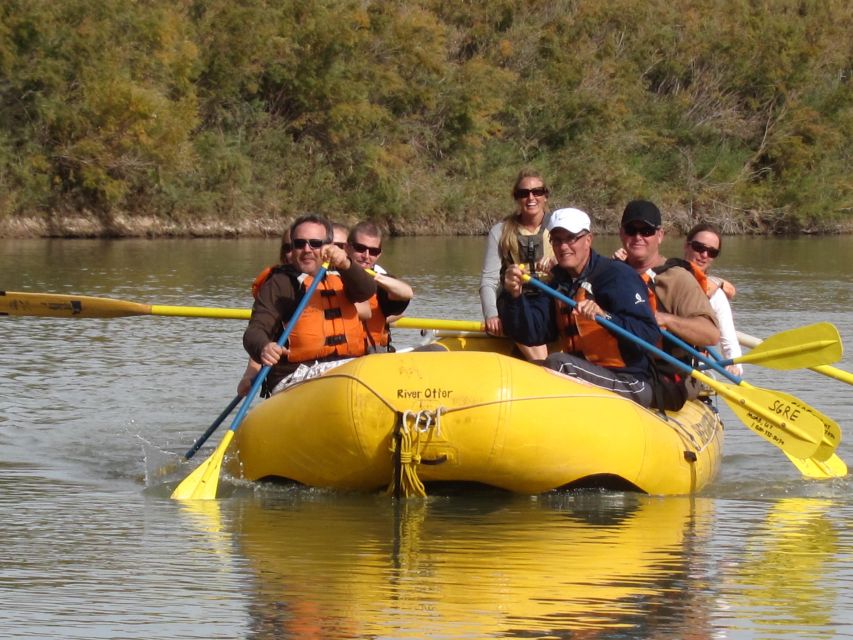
[698, 247]
[643, 229]
[525, 193]
[361, 248]
[340, 245]
[314, 243]
[569, 240]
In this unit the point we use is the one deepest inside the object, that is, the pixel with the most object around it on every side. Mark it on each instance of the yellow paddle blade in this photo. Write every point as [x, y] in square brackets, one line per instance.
[833, 467]
[771, 416]
[202, 483]
[832, 372]
[55, 305]
[800, 348]
[831, 430]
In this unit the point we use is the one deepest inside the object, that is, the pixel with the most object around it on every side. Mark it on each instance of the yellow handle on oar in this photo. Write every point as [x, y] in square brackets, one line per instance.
[438, 324]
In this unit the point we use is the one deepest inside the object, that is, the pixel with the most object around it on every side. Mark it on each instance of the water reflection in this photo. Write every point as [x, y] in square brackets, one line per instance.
[788, 553]
[570, 565]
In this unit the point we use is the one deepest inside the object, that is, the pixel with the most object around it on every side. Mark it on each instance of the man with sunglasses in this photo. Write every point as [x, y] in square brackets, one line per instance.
[676, 296]
[601, 287]
[364, 246]
[329, 328]
[680, 304]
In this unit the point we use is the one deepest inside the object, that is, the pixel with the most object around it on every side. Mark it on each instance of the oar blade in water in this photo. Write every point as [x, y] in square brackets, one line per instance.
[833, 467]
[202, 483]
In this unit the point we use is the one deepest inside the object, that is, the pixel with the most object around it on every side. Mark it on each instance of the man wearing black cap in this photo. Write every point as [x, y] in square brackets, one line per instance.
[681, 306]
[600, 287]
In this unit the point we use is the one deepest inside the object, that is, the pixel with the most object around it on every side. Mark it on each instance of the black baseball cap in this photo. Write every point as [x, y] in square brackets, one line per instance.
[641, 211]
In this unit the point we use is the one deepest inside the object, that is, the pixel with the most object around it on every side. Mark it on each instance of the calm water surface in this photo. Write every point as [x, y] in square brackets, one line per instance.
[94, 548]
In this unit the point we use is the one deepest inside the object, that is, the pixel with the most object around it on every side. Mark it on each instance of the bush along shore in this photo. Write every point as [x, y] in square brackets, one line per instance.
[224, 119]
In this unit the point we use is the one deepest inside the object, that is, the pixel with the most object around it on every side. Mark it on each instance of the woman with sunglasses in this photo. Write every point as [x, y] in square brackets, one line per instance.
[701, 248]
[520, 238]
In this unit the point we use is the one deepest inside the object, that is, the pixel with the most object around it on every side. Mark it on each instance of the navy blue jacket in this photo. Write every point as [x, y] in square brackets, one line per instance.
[616, 288]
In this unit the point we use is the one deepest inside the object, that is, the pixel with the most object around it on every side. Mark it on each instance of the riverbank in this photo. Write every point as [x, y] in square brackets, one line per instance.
[83, 225]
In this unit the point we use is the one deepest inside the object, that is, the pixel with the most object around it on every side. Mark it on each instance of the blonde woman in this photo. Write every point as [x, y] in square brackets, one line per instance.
[520, 238]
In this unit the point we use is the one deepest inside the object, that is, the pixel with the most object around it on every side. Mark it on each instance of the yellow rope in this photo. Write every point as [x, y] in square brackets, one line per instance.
[411, 445]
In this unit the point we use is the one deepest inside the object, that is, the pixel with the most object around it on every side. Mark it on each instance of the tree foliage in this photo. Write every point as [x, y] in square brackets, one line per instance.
[420, 113]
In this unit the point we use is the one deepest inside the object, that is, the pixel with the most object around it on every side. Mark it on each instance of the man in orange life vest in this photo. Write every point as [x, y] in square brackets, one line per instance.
[601, 287]
[364, 246]
[676, 295]
[680, 303]
[329, 328]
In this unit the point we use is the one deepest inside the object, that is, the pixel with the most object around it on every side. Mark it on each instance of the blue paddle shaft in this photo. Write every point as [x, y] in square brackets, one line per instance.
[213, 427]
[615, 328]
[262, 375]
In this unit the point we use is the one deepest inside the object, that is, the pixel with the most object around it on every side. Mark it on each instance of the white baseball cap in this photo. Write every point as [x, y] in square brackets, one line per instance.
[572, 220]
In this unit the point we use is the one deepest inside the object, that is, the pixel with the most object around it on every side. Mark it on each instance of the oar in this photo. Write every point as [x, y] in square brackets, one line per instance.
[55, 305]
[832, 467]
[202, 483]
[810, 346]
[832, 372]
[765, 412]
[831, 430]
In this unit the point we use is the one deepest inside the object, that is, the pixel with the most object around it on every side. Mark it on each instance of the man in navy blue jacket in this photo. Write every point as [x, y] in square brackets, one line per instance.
[600, 286]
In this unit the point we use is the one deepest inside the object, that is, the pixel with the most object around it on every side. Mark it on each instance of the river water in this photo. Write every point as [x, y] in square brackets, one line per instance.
[94, 548]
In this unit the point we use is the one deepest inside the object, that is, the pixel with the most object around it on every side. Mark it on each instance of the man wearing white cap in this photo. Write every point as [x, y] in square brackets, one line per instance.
[600, 286]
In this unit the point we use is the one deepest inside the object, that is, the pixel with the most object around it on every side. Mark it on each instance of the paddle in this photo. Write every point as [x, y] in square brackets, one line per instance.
[800, 348]
[765, 412]
[831, 372]
[202, 483]
[55, 305]
[831, 431]
[832, 467]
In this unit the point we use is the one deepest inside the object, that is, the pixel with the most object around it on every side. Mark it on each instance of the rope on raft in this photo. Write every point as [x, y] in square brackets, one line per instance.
[406, 447]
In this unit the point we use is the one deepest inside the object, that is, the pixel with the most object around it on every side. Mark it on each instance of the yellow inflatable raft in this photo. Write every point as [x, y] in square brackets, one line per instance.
[409, 421]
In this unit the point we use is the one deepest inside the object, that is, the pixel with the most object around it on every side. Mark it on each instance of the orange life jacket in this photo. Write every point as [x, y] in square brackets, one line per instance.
[259, 280]
[377, 326]
[585, 337]
[329, 324]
